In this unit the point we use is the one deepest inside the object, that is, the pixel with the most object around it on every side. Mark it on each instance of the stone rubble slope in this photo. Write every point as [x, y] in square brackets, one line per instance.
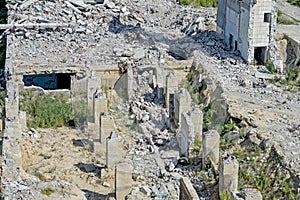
[143, 32]
[98, 34]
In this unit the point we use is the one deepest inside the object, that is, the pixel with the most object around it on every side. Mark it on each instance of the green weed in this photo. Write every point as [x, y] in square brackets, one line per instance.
[47, 191]
[228, 127]
[283, 19]
[46, 111]
[295, 2]
[200, 3]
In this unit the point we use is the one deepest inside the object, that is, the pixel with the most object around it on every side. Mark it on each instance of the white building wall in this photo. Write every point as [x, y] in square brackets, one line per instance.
[261, 29]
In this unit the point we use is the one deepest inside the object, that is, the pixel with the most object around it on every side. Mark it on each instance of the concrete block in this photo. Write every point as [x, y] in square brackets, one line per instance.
[113, 150]
[187, 135]
[107, 125]
[197, 120]
[22, 120]
[182, 103]
[228, 176]
[210, 146]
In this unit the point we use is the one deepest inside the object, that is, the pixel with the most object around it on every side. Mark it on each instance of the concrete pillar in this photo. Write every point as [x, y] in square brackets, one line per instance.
[113, 150]
[11, 152]
[187, 135]
[159, 74]
[182, 103]
[228, 176]
[12, 100]
[100, 106]
[129, 83]
[123, 179]
[107, 125]
[187, 191]
[210, 146]
[171, 87]
[197, 120]
[93, 84]
[22, 120]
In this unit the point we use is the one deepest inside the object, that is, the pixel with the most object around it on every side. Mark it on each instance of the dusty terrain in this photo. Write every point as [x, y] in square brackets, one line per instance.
[161, 29]
[51, 155]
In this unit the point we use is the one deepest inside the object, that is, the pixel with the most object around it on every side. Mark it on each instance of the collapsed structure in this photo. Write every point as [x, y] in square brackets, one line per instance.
[87, 54]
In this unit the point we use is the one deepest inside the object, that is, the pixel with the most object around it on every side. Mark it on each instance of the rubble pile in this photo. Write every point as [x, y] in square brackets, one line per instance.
[147, 35]
[158, 166]
[90, 34]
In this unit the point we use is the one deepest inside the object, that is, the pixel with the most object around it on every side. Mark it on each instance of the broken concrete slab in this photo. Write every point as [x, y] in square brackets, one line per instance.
[186, 190]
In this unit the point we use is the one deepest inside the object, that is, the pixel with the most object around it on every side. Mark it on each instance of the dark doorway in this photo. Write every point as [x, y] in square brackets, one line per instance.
[260, 55]
[64, 81]
[231, 41]
[48, 81]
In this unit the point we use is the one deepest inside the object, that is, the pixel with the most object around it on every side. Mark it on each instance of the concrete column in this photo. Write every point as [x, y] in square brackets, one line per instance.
[182, 103]
[210, 144]
[107, 125]
[22, 120]
[197, 120]
[171, 87]
[159, 74]
[12, 100]
[228, 176]
[100, 106]
[187, 135]
[93, 84]
[113, 150]
[129, 83]
[123, 179]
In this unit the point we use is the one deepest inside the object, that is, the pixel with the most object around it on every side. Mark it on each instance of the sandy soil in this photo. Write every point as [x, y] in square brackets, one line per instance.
[53, 156]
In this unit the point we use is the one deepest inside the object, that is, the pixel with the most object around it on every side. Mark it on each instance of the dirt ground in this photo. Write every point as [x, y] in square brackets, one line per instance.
[51, 155]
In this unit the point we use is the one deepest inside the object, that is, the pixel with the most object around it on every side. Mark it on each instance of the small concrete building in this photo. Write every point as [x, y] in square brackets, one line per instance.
[248, 26]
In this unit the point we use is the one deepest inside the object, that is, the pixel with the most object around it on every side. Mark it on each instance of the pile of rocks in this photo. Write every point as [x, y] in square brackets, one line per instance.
[89, 34]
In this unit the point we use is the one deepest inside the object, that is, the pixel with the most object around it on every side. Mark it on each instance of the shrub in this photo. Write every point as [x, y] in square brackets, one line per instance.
[295, 2]
[46, 111]
[198, 3]
[284, 19]
[228, 127]
[47, 191]
[292, 80]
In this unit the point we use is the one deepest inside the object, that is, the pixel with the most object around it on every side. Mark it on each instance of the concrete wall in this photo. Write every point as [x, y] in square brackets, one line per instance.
[261, 29]
[232, 23]
[244, 26]
[243, 45]
[221, 16]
